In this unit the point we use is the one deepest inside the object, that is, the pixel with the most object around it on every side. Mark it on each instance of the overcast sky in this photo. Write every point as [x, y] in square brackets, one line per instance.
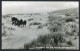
[13, 7]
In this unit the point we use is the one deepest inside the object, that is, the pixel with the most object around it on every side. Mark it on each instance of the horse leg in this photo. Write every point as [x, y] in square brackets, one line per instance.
[12, 23]
[19, 26]
[23, 25]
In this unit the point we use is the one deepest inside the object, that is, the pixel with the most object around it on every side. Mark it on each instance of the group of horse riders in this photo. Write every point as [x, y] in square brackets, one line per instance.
[17, 22]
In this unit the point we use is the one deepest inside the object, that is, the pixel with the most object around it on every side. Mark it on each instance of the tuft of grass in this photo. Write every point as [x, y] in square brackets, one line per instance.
[11, 28]
[39, 27]
[4, 33]
[70, 43]
[69, 20]
[71, 29]
[46, 40]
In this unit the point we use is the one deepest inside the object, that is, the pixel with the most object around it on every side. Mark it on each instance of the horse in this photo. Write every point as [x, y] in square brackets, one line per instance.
[14, 20]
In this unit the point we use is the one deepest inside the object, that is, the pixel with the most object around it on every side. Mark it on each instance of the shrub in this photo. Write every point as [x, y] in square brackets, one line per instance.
[4, 33]
[56, 23]
[11, 28]
[40, 19]
[35, 23]
[30, 24]
[59, 36]
[70, 43]
[70, 19]
[39, 27]
[71, 29]
[68, 14]
[55, 27]
[77, 17]
[30, 19]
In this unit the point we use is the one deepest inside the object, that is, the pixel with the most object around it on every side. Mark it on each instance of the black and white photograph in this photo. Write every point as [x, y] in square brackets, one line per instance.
[40, 25]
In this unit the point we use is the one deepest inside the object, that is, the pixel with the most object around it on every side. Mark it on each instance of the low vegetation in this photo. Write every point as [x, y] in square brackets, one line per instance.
[60, 28]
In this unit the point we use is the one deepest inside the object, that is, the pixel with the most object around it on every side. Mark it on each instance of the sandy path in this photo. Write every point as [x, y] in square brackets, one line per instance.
[20, 37]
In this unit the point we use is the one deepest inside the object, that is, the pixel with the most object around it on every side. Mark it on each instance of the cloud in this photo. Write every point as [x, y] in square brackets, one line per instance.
[72, 4]
[46, 9]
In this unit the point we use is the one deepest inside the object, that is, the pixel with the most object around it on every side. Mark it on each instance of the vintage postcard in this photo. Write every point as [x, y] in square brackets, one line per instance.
[40, 25]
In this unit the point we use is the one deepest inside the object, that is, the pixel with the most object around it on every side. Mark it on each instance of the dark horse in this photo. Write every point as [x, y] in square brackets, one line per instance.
[14, 21]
